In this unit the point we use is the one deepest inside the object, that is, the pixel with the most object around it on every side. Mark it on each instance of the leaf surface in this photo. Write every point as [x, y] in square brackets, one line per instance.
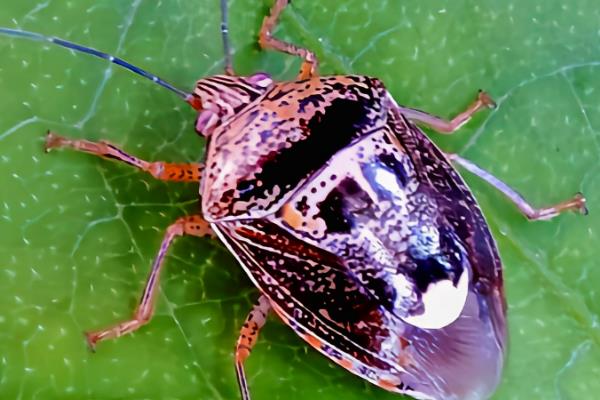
[78, 234]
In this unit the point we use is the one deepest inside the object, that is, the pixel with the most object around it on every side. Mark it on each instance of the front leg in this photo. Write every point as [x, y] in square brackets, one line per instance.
[576, 203]
[310, 64]
[180, 172]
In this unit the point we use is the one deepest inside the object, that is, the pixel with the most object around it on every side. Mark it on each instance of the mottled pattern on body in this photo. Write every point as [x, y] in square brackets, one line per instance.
[257, 160]
[352, 223]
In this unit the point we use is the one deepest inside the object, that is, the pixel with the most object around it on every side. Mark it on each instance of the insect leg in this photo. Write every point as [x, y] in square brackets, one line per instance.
[442, 125]
[248, 336]
[193, 225]
[576, 203]
[267, 41]
[182, 172]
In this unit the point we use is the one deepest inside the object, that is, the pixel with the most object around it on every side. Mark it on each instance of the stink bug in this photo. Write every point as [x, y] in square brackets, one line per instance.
[352, 224]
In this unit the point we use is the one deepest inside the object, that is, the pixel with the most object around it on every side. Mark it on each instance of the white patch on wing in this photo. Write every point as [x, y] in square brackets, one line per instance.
[404, 289]
[387, 180]
[443, 303]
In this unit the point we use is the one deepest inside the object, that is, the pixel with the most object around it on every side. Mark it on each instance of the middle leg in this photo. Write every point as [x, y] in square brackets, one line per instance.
[193, 225]
[442, 125]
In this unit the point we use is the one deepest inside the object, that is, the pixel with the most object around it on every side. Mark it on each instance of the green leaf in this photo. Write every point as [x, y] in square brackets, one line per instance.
[79, 233]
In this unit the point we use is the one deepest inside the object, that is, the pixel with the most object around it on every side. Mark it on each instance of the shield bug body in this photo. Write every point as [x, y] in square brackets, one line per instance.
[354, 227]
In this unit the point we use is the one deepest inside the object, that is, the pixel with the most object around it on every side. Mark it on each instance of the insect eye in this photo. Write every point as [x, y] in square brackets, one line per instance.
[205, 123]
[261, 79]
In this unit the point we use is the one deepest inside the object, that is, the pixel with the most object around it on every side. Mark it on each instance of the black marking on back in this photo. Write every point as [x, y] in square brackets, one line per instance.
[334, 211]
[395, 166]
[326, 133]
[314, 99]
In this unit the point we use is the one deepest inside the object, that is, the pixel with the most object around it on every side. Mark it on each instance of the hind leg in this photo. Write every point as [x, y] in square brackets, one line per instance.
[576, 203]
[248, 336]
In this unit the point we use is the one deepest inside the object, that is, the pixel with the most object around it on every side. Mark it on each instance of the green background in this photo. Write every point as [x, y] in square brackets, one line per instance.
[78, 233]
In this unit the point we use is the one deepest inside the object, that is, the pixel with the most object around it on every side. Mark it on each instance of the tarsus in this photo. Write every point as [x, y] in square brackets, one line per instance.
[96, 53]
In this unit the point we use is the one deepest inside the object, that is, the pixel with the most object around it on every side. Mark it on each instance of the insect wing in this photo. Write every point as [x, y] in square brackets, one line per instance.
[313, 294]
[462, 213]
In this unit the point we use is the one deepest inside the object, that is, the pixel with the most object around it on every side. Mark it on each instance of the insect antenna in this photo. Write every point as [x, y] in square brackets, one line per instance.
[225, 37]
[96, 53]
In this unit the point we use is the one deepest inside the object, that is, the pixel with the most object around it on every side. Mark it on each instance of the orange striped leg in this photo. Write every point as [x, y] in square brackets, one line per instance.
[266, 40]
[576, 203]
[193, 225]
[182, 172]
[248, 336]
[442, 125]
